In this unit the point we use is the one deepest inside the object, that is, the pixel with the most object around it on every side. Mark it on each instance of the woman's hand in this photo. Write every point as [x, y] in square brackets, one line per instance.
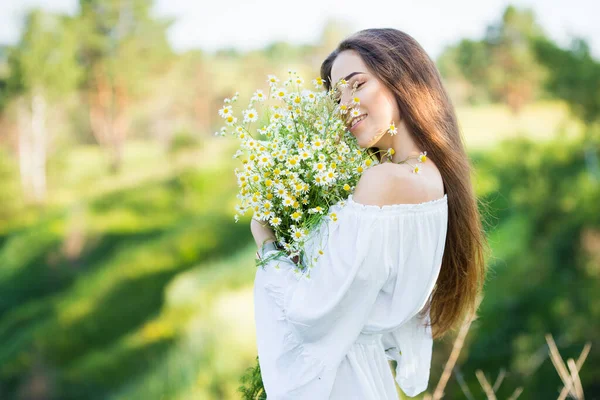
[262, 232]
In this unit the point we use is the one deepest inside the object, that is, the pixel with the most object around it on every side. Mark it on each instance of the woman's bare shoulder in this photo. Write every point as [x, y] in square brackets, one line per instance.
[389, 183]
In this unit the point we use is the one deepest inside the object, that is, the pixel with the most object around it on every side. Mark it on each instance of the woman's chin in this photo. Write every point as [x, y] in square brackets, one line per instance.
[362, 141]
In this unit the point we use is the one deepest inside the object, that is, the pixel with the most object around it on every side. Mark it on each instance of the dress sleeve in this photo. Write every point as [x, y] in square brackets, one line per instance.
[411, 347]
[306, 322]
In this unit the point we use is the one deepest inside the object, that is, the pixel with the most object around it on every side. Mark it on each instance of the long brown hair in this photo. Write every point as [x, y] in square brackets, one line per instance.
[398, 61]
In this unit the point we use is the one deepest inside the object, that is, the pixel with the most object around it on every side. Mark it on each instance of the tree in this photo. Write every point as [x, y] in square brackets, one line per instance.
[122, 47]
[502, 66]
[43, 69]
[575, 78]
[514, 75]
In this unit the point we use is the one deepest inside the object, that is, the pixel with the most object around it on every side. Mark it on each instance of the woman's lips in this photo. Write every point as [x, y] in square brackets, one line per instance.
[359, 122]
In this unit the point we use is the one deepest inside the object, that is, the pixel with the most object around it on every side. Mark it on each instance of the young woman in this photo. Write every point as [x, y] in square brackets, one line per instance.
[405, 261]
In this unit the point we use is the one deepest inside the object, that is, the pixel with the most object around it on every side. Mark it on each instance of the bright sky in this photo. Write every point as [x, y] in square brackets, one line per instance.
[243, 24]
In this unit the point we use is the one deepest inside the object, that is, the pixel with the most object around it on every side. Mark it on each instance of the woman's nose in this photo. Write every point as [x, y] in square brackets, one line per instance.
[346, 99]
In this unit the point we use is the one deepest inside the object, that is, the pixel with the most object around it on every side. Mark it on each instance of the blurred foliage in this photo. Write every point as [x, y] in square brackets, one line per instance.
[139, 284]
[81, 284]
[544, 273]
[183, 140]
[252, 386]
[500, 67]
[575, 76]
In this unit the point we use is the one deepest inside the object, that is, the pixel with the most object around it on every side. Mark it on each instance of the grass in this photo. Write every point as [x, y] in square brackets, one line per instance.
[125, 286]
[485, 126]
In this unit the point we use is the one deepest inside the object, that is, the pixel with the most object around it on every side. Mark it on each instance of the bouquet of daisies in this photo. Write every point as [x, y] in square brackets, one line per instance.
[298, 158]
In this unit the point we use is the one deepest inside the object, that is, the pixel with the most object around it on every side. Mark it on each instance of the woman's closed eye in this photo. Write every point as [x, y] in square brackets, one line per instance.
[357, 87]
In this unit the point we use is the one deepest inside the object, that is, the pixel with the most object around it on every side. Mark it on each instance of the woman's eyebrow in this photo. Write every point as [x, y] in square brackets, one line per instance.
[351, 75]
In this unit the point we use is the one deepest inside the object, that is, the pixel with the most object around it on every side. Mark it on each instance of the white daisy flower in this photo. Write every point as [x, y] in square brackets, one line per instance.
[240, 210]
[305, 155]
[251, 143]
[392, 129]
[317, 144]
[255, 178]
[333, 217]
[296, 100]
[259, 95]
[319, 179]
[275, 221]
[280, 93]
[298, 233]
[281, 192]
[331, 175]
[355, 112]
[296, 215]
[287, 247]
[250, 115]
[230, 120]
[288, 201]
[268, 205]
[272, 80]
[293, 162]
[319, 167]
[264, 161]
[225, 111]
[275, 117]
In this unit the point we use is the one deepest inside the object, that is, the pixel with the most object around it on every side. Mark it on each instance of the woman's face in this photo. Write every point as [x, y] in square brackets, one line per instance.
[376, 101]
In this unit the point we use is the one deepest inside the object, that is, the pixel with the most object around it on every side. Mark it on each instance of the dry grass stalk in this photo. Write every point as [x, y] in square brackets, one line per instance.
[462, 383]
[456, 348]
[570, 376]
[584, 353]
[575, 378]
[570, 380]
[487, 388]
[499, 380]
[516, 393]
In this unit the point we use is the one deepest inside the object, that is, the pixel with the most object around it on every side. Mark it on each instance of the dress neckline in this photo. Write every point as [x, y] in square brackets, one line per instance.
[427, 205]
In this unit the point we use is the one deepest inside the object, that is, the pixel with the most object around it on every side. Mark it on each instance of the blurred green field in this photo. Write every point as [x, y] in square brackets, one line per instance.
[139, 285]
[485, 126]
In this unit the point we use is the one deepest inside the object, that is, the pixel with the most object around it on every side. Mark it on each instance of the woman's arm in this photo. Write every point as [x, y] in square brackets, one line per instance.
[263, 234]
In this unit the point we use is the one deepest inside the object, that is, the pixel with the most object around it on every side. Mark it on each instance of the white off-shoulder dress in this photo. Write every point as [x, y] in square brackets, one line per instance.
[329, 332]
